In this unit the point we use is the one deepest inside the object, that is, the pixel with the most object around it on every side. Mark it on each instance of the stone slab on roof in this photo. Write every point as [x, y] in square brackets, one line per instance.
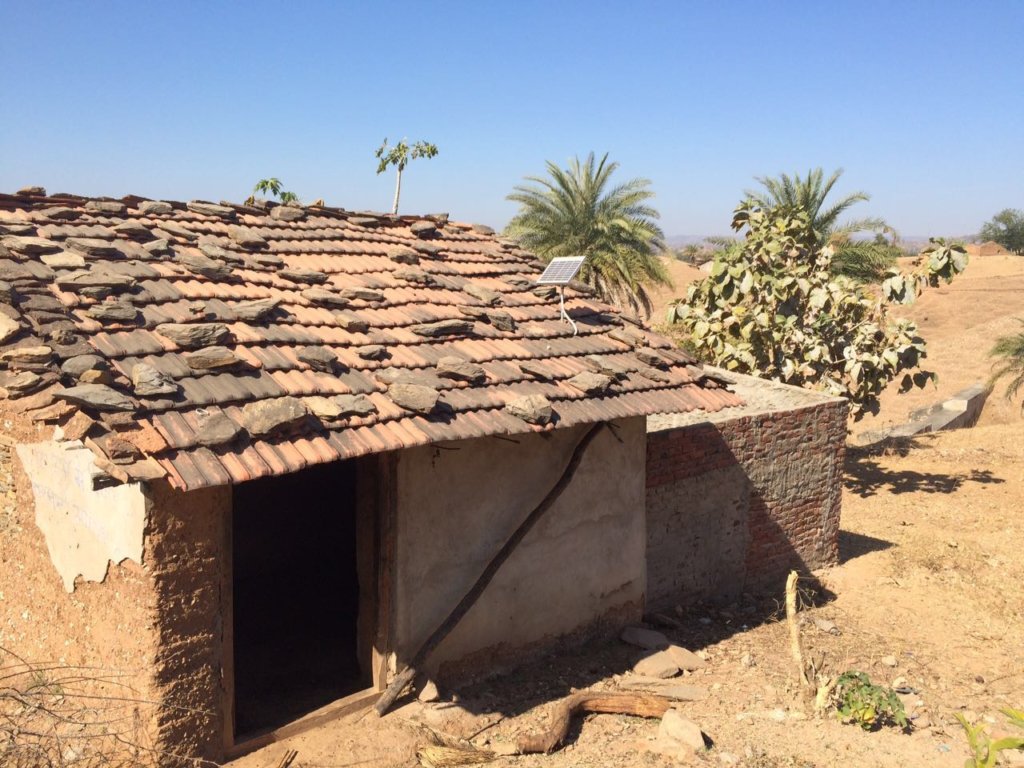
[249, 331]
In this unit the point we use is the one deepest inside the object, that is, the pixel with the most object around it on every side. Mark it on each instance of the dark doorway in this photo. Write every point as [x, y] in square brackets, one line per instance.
[295, 594]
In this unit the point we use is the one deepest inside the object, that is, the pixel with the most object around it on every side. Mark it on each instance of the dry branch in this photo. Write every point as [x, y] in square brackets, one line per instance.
[405, 677]
[795, 646]
[635, 704]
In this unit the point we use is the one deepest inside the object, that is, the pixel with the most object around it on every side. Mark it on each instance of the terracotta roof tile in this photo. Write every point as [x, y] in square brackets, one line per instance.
[352, 251]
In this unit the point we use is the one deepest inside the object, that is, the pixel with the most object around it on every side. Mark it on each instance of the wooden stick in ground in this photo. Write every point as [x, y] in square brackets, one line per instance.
[636, 704]
[288, 758]
[430, 644]
[794, 630]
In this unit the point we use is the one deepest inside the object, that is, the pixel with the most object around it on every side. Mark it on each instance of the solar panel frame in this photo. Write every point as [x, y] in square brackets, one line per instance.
[561, 270]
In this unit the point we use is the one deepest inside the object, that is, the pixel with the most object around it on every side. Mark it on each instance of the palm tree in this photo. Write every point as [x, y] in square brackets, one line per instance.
[863, 260]
[574, 212]
[1011, 350]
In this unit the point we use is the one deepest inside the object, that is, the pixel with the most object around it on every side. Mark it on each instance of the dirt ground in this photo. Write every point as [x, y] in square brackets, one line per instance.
[931, 575]
[928, 597]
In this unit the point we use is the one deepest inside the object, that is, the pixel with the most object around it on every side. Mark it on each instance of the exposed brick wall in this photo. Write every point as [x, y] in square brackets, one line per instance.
[732, 506]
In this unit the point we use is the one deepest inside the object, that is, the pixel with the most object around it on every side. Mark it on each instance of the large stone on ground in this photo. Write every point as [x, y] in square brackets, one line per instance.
[194, 335]
[149, 382]
[414, 397]
[443, 328]
[533, 409]
[648, 639]
[678, 736]
[457, 369]
[99, 397]
[657, 664]
[217, 428]
[268, 416]
[684, 658]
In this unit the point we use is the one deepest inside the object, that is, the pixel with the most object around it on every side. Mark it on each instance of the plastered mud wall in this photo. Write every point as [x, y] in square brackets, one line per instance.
[456, 505]
[735, 504]
[104, 627]
[85, 529]
[148, 627]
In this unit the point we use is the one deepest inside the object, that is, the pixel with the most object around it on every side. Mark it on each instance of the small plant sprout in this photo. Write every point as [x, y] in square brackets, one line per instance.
[400, 156]
[870, 706]
[985, 751]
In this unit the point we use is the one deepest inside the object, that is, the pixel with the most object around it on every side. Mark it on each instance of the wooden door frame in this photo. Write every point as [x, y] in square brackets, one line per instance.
[375, 566]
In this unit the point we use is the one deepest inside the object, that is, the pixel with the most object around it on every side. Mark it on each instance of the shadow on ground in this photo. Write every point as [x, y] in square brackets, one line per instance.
[866, 476]
[853, 545]
[569, 669]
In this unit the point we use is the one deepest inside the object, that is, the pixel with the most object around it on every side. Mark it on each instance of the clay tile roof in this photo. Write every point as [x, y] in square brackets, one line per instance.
[221, 343]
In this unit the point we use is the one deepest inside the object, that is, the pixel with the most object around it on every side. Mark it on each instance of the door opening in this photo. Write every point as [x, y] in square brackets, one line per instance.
[295, 595]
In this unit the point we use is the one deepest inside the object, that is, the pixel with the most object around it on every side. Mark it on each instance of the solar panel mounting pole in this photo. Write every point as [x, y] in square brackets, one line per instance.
[565, 315]
[559, 271]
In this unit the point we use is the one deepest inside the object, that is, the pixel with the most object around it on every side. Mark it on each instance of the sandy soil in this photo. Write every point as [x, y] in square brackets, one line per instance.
[931, 575]
[681, 274]
[961, 322]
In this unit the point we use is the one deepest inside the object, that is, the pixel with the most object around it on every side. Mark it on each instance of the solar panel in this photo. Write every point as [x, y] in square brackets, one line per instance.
[561, 270]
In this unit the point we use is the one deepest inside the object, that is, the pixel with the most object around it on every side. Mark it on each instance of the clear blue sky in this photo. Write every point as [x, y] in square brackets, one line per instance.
[921, 102]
